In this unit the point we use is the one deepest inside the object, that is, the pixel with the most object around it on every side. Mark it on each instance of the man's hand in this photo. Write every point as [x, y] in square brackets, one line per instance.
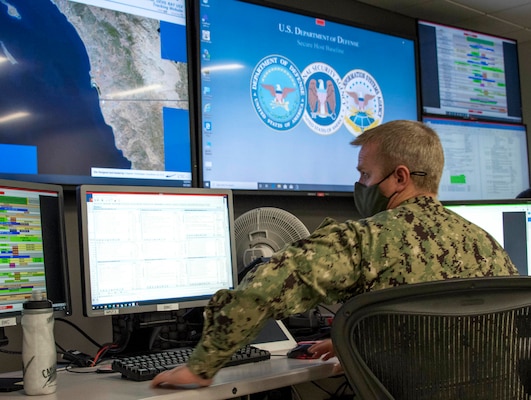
[324, 349]
[179, 376]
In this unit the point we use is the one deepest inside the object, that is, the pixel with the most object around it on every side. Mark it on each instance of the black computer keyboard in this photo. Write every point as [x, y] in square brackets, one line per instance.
[145, 367]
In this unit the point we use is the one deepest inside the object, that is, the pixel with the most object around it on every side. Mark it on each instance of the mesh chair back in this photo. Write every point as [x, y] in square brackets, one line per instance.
[453, 339]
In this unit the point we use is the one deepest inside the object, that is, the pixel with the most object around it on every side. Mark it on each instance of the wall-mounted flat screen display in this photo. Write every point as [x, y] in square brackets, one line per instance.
[483, 160]
[283, 95]
[94, 89]
[468, 74]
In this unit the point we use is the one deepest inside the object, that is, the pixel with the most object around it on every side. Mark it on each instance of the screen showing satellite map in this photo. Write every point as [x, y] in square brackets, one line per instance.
[95, 88]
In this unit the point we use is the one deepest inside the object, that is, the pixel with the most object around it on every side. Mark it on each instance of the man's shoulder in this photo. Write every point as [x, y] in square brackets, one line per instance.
[412, 209]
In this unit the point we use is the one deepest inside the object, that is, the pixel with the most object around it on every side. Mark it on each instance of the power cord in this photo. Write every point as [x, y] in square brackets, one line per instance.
[91, 340]
[83, 360]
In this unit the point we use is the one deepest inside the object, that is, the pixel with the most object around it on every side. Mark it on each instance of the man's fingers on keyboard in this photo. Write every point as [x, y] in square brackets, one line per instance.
[179, 376]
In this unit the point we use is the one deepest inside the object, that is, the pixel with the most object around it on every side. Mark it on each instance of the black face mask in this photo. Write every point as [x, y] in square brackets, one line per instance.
[369, 200]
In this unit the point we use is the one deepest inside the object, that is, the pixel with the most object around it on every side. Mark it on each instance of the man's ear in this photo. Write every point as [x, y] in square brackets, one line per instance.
[403, 178]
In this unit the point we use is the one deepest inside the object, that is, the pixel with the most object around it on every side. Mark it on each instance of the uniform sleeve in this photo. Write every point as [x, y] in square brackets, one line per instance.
[320, 268]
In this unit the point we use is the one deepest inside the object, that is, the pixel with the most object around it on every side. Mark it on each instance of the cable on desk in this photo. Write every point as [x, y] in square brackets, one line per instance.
[125, 337]
[101, 353]
[102, 349]
[80, 331]
[76, 370]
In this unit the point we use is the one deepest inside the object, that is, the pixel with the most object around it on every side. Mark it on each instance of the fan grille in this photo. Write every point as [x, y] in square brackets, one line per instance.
[262, 231]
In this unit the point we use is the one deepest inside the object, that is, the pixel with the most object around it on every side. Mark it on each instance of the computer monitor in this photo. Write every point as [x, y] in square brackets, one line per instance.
[95, 91]
[483, 160]
[154, 249]
[33, 253]
[283, 94]
[468, 74]
[508, 221]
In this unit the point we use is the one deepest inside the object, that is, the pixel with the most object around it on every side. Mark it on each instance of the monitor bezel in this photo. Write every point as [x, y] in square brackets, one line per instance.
[173, 304]
[486, 202]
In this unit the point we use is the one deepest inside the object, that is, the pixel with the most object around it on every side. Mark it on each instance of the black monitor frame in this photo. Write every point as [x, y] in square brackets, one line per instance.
[169, 303]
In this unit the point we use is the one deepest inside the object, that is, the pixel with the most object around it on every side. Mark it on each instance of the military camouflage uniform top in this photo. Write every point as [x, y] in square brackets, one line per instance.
[418, 241]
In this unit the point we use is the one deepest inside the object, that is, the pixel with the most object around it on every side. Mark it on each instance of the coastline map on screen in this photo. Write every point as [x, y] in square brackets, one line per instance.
[94, 88]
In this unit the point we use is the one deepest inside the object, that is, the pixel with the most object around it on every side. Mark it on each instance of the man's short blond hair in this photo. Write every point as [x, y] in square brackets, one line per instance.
[409, 143]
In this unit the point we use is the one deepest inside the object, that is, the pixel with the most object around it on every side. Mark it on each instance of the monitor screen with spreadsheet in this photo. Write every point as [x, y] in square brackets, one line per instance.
[468, 74]
[508, 221]
[148, 249]
[32, 248]
[483, 160]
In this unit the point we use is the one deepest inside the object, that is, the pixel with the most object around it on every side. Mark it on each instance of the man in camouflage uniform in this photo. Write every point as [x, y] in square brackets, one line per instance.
[405, 236]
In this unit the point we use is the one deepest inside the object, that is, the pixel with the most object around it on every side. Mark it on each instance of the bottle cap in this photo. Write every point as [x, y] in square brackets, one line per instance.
[35, 304]
[37, 301]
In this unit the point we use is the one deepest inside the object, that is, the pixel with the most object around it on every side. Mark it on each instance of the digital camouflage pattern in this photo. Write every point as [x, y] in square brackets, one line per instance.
[418, 241]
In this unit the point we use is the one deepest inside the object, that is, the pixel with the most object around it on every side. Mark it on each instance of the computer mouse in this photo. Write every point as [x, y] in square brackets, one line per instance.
[300, 351]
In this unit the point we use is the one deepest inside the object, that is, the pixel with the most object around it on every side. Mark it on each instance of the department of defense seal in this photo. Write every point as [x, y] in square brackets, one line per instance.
[278, 93]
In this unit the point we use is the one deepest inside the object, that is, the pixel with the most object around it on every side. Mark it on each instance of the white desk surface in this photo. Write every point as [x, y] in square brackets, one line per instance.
[230, 382]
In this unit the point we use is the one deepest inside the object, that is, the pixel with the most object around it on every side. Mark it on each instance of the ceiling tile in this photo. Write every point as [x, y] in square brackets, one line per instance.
[393, 5]
[440, 11]
[469, 14]
[487, 25]
[489, 6]
[518, 15]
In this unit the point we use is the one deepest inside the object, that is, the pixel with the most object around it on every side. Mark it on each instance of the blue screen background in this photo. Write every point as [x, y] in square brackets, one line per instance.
[241, 148]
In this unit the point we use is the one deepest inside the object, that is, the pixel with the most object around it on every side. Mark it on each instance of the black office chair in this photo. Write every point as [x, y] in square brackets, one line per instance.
[453, 339]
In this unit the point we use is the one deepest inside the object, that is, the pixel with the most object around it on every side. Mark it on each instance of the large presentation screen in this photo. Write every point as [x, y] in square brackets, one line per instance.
[483, 160]
[468, 74]
[284, 94]
[94, 88]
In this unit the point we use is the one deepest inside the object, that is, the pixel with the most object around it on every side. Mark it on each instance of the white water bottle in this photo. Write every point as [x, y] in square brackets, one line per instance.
[39, 356]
